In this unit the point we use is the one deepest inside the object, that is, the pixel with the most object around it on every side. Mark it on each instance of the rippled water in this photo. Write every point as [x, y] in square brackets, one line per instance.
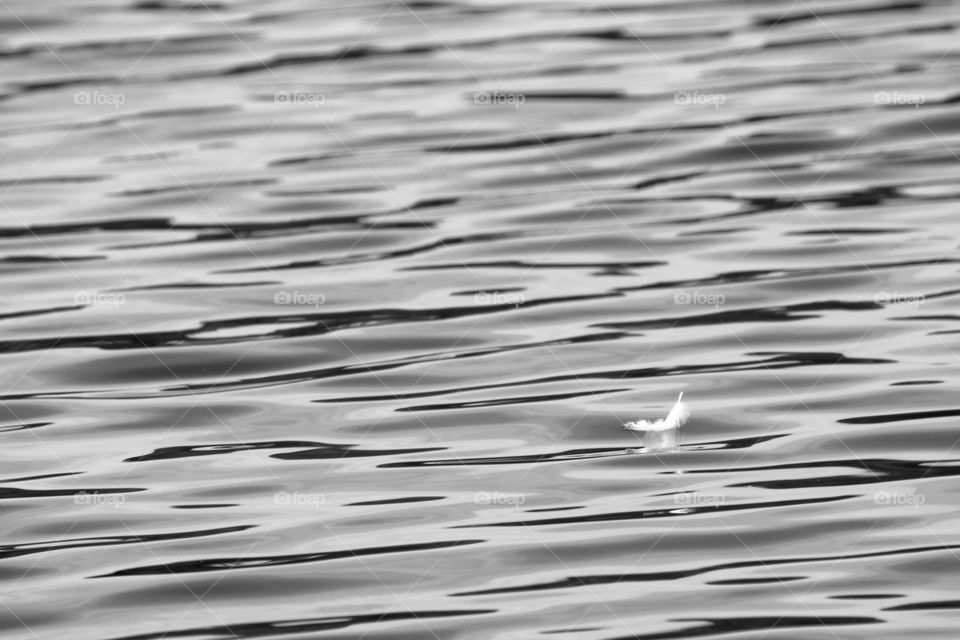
[321, 320]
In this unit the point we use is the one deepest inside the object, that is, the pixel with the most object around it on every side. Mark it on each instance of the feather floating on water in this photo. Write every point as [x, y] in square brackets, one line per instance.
[675, 419]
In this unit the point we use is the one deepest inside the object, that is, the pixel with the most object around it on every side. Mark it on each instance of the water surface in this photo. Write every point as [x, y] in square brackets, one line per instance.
[321, 319]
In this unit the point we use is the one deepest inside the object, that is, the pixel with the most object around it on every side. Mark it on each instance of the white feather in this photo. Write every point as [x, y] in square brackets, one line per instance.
[675, 419]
